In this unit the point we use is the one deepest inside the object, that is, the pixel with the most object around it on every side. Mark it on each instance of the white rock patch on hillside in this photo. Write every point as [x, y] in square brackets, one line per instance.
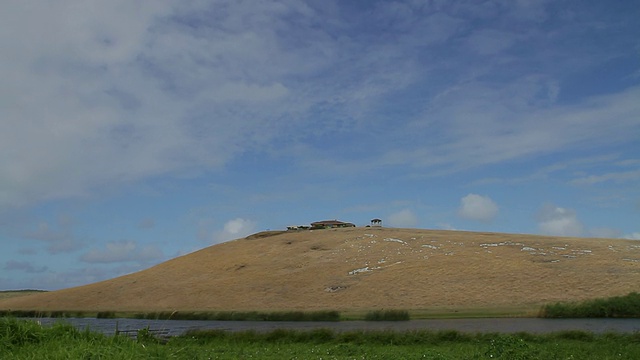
[396, 240]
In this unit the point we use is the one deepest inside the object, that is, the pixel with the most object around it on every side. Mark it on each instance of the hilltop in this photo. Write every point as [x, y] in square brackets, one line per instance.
[355, 269]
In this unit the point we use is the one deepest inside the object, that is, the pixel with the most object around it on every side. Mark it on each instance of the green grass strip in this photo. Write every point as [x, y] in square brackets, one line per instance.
[24, 339]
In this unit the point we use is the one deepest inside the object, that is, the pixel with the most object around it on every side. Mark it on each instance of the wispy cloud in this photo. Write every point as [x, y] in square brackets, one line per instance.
[618, 177]
[123, 251]
[166, 89]
[485, 126]
[25, 266]
[58, 235]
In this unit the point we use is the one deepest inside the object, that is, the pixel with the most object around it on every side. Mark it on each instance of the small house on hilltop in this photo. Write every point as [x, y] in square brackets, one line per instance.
[328, 224]
[298, 227]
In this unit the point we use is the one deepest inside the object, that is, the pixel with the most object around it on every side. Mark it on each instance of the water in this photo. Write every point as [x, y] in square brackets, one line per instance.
[501, 325]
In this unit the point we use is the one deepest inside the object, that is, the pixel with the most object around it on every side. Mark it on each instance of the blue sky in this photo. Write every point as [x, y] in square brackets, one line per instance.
[132, 132]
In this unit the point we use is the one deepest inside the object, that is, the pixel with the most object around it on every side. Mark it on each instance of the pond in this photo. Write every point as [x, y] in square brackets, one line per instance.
[501, 325]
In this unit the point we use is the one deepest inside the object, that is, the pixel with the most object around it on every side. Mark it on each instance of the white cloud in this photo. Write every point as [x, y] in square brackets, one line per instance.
[103, 94]
[403, 219]
[478, 207]
[633, 236]
[62, 124]
[123, 251]
[554, 220]
[97, 95]
[235, 229]
[117, 92]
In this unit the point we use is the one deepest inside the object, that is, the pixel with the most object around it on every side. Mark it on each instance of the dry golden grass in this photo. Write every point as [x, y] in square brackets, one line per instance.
[10, 294]
[356, 269]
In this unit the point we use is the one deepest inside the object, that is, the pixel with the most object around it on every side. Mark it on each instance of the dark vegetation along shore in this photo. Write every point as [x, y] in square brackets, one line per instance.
[627, 306]
[376, 315]
[23, 339]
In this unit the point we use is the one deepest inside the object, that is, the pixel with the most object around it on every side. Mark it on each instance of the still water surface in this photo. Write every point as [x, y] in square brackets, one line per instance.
[502, 325]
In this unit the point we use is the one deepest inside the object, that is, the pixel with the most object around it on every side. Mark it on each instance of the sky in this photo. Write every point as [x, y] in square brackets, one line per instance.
[133, 132]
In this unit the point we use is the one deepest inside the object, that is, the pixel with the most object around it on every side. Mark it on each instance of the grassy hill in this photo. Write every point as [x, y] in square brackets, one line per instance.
[6, 294]
[358, 269]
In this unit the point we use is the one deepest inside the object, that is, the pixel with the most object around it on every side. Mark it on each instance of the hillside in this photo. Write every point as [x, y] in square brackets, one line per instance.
[366, 268]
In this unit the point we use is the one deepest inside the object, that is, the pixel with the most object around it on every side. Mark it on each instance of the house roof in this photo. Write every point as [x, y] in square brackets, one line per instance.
[329, 222]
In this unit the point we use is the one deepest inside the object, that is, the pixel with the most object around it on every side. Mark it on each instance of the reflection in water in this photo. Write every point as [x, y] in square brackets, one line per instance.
[502, 325]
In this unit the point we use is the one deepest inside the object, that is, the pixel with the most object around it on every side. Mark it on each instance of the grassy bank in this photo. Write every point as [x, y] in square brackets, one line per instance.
[244, 315]
[28, 340]
[47, 314]
[627, 306]
[377, 315]
[387, 315]
[328, 315]
[184, 315]
[619, 306]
